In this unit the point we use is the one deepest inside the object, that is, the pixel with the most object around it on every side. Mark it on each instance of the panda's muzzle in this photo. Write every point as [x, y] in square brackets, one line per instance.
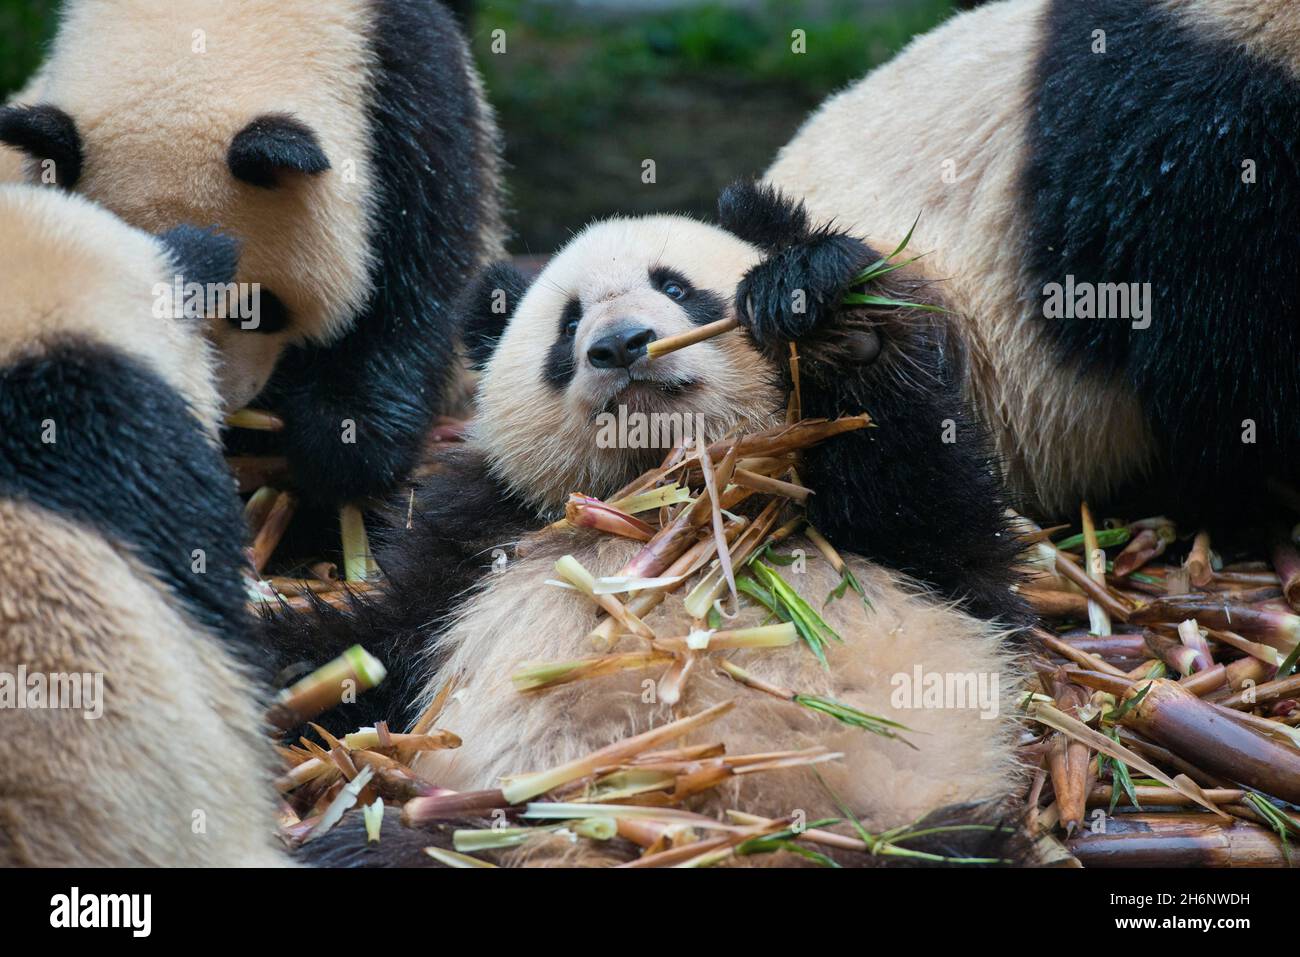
[620, 348]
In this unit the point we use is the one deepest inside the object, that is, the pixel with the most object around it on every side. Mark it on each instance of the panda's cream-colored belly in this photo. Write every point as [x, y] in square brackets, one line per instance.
[939, 132]
[960, 755]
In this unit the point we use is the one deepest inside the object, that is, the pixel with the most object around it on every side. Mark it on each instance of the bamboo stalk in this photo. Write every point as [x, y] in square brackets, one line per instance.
[662, 347]
[273, 529]
[1264, 693]
[355, 671]
[1178, 840]
[255, 420]
[1171, 715]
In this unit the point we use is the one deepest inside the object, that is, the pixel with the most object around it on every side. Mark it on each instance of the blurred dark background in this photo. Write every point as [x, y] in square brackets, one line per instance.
[587, 90]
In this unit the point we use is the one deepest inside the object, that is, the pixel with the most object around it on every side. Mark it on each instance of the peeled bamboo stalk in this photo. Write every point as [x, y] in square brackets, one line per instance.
[353, 672]
[662, 347]
[1094, 561]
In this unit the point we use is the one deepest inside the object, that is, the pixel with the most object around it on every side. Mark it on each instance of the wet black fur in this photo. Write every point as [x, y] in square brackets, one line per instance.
[392, 372]
[272, 145]
[130, 463]
[897, 493]
[1134, 174]
[45, 133]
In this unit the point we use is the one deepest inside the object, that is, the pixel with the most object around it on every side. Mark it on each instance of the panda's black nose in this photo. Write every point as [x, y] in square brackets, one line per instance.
[620, 349]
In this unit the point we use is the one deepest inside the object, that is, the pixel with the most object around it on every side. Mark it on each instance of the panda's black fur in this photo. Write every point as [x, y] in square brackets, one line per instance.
[394, 371]
[895, 494]
[904, 494]
[128, 462]
[1134, 173]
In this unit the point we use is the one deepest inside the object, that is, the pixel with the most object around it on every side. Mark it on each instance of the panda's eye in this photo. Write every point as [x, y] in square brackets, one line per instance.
[675, 291]
[570, 318]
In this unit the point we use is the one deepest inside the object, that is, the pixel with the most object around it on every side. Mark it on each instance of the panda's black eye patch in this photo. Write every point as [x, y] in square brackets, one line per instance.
[570, 318]
[560, 364]
[700, 305]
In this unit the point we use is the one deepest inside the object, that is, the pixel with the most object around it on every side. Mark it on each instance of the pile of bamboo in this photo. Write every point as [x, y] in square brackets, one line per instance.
[1168, 699]
[696, 550]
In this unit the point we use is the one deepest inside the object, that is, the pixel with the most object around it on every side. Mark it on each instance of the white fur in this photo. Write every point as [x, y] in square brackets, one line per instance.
[72, 269]
[960, 756]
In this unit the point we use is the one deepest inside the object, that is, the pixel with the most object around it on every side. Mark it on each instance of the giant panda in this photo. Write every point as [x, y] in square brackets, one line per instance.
[121, 556]
[920, 519]
[350, 149]
[1057, 145]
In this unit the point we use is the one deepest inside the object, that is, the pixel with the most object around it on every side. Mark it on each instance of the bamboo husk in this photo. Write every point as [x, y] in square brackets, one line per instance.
[272, 530]
[1286, 559]
[1145, 546]
[1054, 604]
[1198, 565]
[1264, 693]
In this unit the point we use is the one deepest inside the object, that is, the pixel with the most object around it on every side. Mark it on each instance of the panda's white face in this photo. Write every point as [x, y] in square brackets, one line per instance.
[570, 383]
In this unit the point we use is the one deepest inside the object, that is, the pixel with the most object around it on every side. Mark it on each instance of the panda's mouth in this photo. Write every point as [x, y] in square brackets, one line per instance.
[639, 394]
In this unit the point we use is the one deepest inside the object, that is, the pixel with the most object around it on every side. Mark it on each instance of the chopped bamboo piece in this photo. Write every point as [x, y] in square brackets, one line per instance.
[1199, 568]
[272, 530]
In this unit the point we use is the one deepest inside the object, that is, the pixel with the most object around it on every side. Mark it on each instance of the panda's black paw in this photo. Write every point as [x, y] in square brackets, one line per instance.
[798, 291]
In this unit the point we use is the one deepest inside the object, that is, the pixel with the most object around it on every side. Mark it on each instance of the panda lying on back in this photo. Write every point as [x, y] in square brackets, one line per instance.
[136, 737]
[906, 508]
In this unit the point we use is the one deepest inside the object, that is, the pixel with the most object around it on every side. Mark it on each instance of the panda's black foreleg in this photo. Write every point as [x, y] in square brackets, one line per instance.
[919, 491]
[357, 412]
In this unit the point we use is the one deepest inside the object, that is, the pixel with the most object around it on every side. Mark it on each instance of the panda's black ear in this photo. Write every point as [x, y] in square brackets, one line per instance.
[761, 215]
[45, 133]
[273, 145]
[199, 255]
[485, 309]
